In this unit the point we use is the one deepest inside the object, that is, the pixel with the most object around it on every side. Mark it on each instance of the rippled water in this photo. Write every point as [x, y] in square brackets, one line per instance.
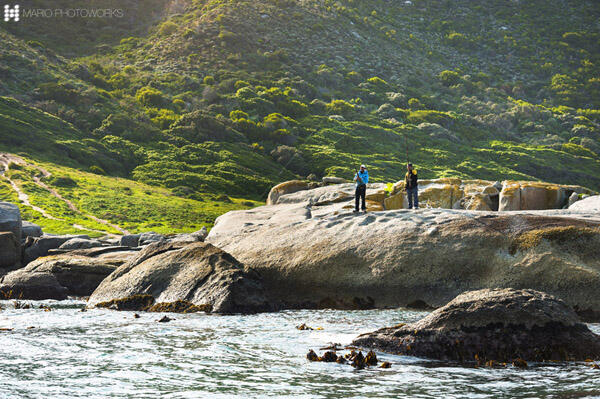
[108, 354]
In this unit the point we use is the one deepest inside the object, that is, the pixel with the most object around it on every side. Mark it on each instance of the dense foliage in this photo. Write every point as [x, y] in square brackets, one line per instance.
[233, 96]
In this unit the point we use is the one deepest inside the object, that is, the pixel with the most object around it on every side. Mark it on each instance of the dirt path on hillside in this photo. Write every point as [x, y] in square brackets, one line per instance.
[6, 159]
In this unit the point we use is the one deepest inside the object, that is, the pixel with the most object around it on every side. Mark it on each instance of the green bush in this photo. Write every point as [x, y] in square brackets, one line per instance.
[340, 107]
[449, 78]
[150, 97]
[167, 28]
[97, 170]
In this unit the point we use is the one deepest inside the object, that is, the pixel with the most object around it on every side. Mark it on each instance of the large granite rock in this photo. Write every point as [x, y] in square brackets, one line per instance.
[499, 325]
[29, 229]
[10, 221]
[325, 256]
[37, 247]
[589, 204]
[80, 243]
[9, 250]
[199, 273]
[287, 187]
[77, 273]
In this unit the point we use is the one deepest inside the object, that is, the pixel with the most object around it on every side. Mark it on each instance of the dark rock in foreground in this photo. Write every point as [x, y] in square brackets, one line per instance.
[56, 277]
[500, 325]
[199, 273]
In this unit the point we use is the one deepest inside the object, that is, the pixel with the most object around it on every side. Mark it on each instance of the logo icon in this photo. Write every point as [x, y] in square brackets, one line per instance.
[11, 13]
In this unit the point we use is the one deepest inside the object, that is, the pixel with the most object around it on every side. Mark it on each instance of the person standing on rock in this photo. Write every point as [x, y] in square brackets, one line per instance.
[361, 178]
[412, 186]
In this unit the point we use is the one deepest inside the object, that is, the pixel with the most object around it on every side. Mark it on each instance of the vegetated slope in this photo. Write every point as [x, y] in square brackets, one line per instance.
[233, 96]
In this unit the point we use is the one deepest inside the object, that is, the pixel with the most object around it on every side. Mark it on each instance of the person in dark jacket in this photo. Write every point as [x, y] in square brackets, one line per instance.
[361, 178]
[412, 186]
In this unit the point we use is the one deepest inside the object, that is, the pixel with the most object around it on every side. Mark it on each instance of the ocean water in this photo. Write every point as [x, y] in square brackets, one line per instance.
[109, 354]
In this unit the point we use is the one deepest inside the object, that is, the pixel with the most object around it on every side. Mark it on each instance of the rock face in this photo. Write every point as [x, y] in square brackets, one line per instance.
[589, 204]
[198, 273]
[36, 247]
[10, 221]
[325, 256]
[500, 325]
[29, 229]
[80, 243]
[9, 250]
[55, 277]
[287, 187]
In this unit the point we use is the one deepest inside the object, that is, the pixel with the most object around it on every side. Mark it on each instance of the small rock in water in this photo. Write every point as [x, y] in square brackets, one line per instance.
[6, 329]
[312, 356]
[332, 346]
[165, 319]
[520, 363]
[385, 365]
[328, 356]
[83, 310]
[595, 366]
[136, 316]
[371, 359]
[341, 360]
[303, 326]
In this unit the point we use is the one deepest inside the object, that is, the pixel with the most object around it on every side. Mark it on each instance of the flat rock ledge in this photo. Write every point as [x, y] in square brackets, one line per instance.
[492, 325]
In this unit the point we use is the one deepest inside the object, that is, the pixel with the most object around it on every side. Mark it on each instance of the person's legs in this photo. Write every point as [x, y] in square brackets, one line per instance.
[416, 197]
[356, 198]
[363, 195]
[410, 197]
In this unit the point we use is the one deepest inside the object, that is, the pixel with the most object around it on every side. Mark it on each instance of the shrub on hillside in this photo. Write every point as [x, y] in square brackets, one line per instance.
[167, 28]
[291, 159]
[340, 107]
[58, 92]
[199, 126]
[449, 78]
[150, 97]
[97, 170]
[429, 116]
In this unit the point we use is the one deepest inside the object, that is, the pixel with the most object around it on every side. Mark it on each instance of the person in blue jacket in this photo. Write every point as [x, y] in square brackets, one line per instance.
[361, 178]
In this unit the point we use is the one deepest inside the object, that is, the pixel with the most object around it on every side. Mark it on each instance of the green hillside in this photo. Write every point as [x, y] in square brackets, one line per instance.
[231, 97]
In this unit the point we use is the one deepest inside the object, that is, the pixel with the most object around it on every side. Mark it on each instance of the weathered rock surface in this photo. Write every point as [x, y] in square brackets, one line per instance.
[80, 243]
[10, 221]
[501, 325]
[130, 240]
[287, 187]
[589, 204]
[199, 273]
[149, 238]
[29, 229]
[325, 256]
[55, 277]
[10, 249]
[37, 247]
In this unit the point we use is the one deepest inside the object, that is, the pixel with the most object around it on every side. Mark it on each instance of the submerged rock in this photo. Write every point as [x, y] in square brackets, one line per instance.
[504, 325]
[198, 273]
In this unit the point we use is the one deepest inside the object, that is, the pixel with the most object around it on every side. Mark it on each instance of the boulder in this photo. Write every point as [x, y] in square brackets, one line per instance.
[10, 250]
[36, 247]
[149, 238]
[510, 196]
[130, 240]
[326, 256]
[55, 277]
[477, 202]
[439, 195]
[29, 229]
[492, 325]
[10, 218]
[334, 180]
[199, 273]
[573, 198]
[197, 236]
[80, 243]
[396, 201]
[10, 221]
[589, 204]
[287, 187]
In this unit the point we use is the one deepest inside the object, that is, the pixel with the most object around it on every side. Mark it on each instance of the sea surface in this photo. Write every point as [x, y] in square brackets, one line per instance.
[66, 353]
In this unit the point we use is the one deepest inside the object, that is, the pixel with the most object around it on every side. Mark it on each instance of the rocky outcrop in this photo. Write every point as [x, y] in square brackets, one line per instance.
[9, 250]
[10, 222]
[588, 204]
[325, 256]
[37, 247]
[199, 273]
[29, 229]
[80, 243]
[492, 325]
[287, 187]
[56, 277]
